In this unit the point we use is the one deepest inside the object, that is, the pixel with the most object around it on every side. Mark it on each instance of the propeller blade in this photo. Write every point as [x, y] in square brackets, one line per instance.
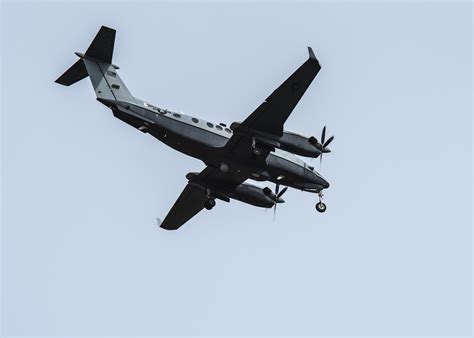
[325, 144]
[323, 135]
[282, 192]
[277, 188]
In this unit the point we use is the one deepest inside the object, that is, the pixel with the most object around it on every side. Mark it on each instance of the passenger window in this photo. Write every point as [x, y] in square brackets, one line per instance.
[218, 127]
[195, 120]
[210, 125]
[177, 115]
[228, 130]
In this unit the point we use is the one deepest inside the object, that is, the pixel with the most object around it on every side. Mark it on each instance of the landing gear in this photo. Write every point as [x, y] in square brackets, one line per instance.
[255, 150]
[209, 204]
[320, 206]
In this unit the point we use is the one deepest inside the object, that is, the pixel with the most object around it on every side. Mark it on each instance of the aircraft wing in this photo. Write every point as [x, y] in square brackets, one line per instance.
[270, 116]
[191, 201]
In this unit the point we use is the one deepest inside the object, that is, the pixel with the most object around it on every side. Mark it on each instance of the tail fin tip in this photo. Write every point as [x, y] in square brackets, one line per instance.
[102, 47]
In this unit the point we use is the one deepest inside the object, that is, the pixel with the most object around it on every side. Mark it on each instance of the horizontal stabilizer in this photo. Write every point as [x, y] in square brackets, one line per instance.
[75, 73]
[102, 47]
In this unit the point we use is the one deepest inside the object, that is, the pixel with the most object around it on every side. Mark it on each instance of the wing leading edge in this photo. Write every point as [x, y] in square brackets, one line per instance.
[270, 116]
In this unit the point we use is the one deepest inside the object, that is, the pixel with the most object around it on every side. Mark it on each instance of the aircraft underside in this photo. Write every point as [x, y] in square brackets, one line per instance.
[258, 148]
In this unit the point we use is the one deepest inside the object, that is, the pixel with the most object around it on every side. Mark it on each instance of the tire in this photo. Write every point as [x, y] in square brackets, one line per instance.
[209, 204]
[320, 207]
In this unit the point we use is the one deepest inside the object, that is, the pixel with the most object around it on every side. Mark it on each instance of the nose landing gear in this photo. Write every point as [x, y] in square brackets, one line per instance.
[320, 206]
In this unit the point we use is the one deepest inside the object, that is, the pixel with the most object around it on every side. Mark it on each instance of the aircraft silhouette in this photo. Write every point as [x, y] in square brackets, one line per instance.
[257, 148]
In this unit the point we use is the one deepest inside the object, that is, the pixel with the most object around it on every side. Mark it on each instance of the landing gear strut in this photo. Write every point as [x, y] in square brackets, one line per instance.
[320, 206]
[257, 151]
[210, 202]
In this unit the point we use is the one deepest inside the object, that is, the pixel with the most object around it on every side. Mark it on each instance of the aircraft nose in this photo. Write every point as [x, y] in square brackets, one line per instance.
[324, 183]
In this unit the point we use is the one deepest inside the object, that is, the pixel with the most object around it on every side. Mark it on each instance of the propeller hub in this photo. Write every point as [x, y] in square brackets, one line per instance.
[279, 200]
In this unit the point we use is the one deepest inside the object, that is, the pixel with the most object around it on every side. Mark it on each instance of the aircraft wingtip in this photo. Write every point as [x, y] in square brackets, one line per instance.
[312, 56]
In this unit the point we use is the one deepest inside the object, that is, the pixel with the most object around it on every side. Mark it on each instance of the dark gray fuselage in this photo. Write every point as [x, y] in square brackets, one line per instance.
[205, 141]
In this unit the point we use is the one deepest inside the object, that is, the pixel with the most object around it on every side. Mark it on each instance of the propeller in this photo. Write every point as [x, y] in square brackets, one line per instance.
[325, 142]
[323, 146]
[278, 199]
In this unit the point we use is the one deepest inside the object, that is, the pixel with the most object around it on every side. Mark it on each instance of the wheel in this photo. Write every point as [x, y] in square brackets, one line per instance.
[257, 151]
[209, 204]
[321, 207]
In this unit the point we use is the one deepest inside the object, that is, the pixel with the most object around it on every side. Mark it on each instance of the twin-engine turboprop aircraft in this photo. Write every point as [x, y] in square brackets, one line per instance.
[257, 148]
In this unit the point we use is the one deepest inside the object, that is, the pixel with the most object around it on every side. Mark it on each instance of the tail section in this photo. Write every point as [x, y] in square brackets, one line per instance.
[102, 47]
[75, 73]
[97, 64]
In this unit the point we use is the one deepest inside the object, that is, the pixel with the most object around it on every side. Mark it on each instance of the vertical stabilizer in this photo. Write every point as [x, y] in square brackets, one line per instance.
[97, 64]
[102, 47]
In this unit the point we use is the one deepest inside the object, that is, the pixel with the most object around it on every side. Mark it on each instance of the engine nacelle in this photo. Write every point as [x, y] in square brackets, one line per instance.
[299, 144]
[246, 193]
[294, 143]
[252, 194]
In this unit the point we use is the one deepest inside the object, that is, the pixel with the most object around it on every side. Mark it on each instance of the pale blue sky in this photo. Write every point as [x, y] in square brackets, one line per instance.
[81, 251]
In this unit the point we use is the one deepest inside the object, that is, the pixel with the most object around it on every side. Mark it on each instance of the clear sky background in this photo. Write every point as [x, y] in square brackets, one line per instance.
[81, 250]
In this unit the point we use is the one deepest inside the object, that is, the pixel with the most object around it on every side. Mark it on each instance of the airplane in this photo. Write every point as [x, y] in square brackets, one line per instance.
[257, 148]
